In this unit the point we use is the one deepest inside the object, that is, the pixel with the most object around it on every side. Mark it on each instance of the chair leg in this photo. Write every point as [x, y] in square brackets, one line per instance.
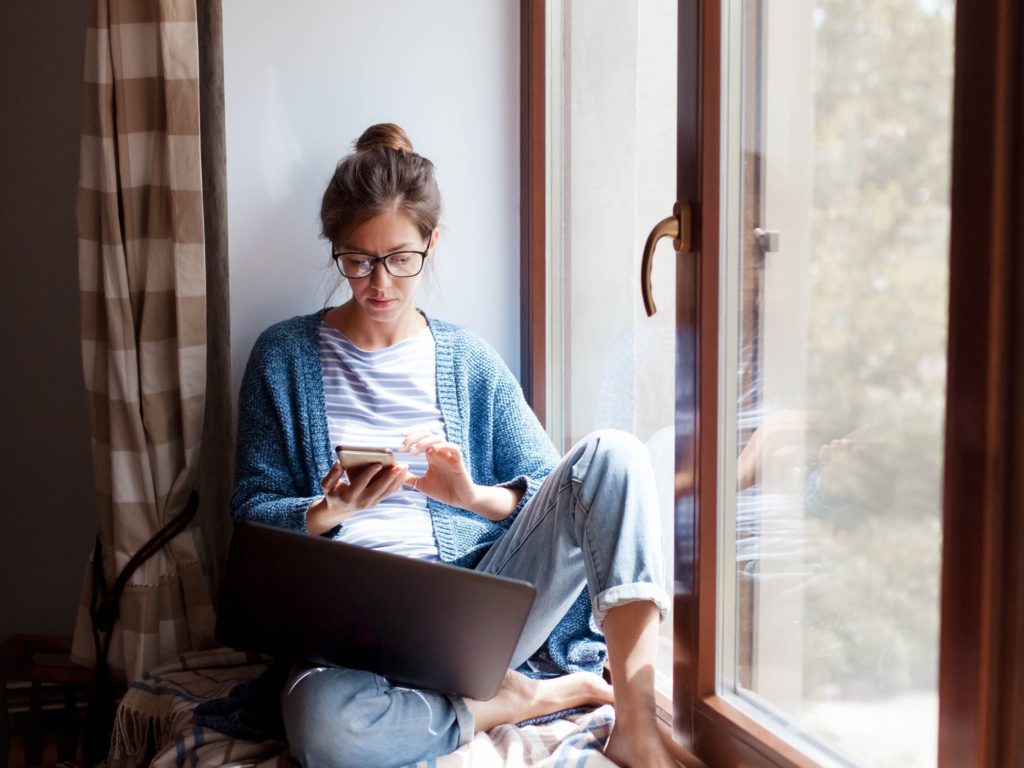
[5, 726]
[68, 742]
[34, 738]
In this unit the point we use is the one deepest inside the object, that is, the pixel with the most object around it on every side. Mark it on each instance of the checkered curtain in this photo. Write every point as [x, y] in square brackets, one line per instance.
[143, 311]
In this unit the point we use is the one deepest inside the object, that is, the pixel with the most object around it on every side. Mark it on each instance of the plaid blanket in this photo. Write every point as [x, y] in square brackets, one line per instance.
[154, 726]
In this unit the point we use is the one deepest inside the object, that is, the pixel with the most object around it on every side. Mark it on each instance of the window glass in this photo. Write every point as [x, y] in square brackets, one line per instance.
[836, 131]
[612, 176]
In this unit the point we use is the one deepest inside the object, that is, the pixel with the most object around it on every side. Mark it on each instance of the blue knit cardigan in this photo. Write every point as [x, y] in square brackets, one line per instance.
[283, 450]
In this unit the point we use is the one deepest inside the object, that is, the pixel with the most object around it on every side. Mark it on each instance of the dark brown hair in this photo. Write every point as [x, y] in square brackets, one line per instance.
[382, 174]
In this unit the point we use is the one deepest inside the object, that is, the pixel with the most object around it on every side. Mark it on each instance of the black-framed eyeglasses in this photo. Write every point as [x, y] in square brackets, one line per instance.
[355, 265]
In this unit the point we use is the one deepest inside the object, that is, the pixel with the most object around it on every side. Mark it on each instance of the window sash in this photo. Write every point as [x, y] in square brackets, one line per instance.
[981, 682]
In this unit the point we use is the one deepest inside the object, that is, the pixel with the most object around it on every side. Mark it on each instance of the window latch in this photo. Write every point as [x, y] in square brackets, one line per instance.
[767, 240]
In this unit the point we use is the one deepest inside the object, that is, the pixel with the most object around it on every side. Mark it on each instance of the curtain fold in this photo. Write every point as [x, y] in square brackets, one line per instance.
[142, 278]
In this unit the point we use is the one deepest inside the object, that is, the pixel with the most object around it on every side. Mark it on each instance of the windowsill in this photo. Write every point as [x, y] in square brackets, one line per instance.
[664, 704]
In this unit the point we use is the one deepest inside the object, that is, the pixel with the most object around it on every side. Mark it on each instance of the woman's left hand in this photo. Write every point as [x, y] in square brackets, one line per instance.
[447, 478]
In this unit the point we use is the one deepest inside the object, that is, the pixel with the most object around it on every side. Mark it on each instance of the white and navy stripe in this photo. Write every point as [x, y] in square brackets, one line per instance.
[374, 398]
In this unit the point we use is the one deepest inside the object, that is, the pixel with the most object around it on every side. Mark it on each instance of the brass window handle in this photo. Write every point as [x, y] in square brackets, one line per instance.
[677, 226]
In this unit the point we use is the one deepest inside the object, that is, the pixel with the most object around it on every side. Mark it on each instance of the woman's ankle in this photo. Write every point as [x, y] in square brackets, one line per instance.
[640, 744]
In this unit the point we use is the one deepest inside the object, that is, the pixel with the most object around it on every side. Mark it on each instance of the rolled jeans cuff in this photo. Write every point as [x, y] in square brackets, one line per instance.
[629, 593]
[464, 719]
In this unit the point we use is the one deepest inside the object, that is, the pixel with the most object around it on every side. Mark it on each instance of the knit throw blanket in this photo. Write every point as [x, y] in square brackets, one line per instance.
[156, 724]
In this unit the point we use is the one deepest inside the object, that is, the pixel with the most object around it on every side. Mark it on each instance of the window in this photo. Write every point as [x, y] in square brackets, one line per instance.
[836, 122]
[610, 167]
[740, 695]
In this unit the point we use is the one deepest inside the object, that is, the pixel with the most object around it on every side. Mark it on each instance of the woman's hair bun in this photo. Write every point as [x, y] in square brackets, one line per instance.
[384, 135]
[384, 174]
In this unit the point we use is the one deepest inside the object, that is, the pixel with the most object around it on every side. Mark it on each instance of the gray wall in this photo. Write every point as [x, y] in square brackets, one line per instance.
[47, 511]
[460, 103]
[302, 81]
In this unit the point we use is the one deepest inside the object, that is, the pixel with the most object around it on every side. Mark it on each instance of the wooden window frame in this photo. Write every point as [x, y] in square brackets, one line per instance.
[981, 676]
[533, 205]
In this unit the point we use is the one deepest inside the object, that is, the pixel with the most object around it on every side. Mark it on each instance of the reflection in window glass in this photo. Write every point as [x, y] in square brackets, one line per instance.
[612, 176]
[837, 128]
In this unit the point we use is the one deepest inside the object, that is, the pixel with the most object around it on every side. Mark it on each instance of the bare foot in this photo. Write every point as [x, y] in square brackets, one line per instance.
[521, 698]
[643, 745]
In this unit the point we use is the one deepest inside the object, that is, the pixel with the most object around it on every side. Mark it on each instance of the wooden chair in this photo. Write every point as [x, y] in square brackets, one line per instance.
[39, 660]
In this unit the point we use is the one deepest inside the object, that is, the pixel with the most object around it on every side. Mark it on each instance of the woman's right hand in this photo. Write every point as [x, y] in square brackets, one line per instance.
[346, 496]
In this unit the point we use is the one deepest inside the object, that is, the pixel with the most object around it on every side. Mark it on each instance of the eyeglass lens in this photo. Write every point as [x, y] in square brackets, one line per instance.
[401, 264]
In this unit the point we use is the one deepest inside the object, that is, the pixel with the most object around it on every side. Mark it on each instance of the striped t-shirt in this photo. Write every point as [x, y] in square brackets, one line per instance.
[373, 398]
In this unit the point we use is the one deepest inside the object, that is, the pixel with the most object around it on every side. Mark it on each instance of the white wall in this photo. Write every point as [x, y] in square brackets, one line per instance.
[302, 81]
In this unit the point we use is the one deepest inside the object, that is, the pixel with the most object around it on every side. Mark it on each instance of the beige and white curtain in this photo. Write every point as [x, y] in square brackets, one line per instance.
[143, 293]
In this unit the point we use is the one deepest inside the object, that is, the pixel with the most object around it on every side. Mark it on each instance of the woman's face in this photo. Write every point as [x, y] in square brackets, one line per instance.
[381, 297]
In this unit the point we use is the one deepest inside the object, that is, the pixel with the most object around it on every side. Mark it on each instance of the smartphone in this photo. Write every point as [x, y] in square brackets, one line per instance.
[354, 457]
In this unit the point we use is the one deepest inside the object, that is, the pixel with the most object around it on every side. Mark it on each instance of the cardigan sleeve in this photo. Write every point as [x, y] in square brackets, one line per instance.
[523, 453]
[268, 483]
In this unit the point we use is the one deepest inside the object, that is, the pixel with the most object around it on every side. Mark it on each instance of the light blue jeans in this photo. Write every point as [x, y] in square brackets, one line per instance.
[593, 521]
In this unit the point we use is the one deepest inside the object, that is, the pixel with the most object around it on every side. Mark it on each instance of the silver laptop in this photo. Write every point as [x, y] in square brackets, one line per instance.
[419, 623]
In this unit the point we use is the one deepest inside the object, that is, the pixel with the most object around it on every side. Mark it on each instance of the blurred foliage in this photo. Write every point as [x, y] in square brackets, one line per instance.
[876, 345]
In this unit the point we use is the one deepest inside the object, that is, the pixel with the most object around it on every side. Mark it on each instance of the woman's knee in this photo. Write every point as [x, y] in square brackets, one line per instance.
[616, 480]
[318, 743]
[324, 724]
[614, 449]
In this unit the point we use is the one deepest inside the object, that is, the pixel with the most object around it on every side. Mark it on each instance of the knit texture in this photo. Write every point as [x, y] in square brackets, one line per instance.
[283, 450]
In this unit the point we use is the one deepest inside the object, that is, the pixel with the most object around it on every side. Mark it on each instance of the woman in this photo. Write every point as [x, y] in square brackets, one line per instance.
[482, 487]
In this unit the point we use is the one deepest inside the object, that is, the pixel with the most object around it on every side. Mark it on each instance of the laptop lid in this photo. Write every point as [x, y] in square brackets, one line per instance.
[426, 624]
